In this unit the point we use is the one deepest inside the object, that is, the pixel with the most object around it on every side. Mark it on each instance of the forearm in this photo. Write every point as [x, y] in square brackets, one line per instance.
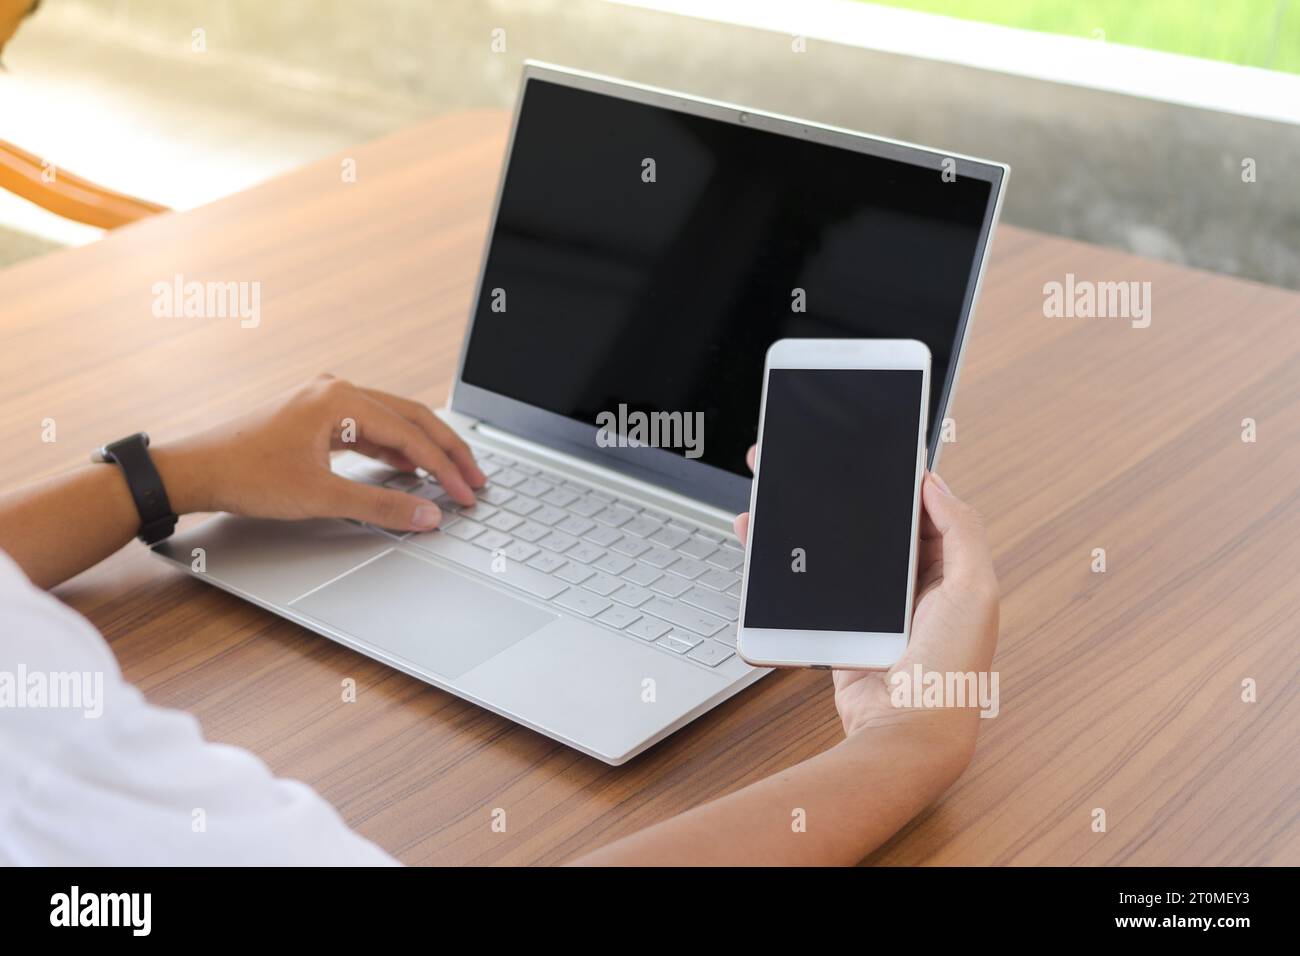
[60, 526]
[853, 798]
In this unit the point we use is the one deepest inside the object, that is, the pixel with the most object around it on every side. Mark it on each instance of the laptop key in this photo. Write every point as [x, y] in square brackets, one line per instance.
[585, 552]
[698, 548]
[684, 616]
[631, 547]
[659, 557]
[533, 487]
[521, 505]
[711, 653]
[712, 602]
[546, 561]
[618, 616]
[504, 521]
[671, 642]
[648, 628]
[688, 568]
[466, 530]
[495, 496]
[582, 602]
[726, 558]
[718, 579]
[686, 637]
[642, 574]
[521, 551]
[614, 516]
[669, 537]
[492, 540]
[531, 531]
[575, 525]
[478, 511]
[671, 586]
[508, 478]
[558, 541]
[642, 526]
[548, 515]
[586, 507]
[602, 584]
[429, 491]
[613, 563]
[631, 595]
[560, 497]
[603, 535]
[573, 573]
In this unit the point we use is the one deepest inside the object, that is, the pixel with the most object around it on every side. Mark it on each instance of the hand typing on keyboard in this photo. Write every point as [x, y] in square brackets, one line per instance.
[275, 461]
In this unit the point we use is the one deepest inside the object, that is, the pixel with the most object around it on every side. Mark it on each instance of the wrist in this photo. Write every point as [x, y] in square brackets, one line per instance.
[938, 742]
[184, 477]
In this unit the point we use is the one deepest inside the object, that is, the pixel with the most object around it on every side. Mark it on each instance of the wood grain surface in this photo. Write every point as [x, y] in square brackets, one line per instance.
[1119, 690]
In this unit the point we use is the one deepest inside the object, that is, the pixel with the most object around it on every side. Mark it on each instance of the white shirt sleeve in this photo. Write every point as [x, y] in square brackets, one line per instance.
[91, 774]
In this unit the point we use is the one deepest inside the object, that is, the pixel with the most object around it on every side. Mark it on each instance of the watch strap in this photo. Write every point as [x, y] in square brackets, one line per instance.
[131, 454]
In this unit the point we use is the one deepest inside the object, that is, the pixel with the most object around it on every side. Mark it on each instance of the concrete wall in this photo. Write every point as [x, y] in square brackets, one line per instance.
[1149, 177]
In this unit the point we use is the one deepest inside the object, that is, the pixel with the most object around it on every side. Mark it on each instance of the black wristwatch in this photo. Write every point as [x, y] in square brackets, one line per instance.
[157, 521]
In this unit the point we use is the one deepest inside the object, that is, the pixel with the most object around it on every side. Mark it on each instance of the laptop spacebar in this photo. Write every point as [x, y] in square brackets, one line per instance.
[470, 556]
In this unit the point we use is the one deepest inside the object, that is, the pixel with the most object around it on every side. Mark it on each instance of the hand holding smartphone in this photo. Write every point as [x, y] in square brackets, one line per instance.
[835, 505]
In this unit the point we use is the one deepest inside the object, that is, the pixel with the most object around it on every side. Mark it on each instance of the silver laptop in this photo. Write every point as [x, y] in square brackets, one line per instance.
[646, 249]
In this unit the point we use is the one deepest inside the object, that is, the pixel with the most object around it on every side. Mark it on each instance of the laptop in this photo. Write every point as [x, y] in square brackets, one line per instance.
[646, 248]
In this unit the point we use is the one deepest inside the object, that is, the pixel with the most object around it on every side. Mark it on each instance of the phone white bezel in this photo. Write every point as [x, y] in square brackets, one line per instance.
[855, 650]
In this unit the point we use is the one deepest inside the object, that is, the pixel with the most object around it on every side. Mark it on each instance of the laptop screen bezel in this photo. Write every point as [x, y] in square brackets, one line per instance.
[693, 478]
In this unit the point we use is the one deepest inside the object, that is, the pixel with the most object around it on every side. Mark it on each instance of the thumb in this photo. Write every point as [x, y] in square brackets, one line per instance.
[382, 507]
[741, 527]
[965, 550]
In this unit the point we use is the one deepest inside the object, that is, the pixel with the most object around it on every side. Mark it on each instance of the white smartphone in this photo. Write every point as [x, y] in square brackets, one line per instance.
[835, 507]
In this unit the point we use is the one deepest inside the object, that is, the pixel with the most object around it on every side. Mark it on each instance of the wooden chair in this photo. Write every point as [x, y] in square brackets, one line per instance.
[66, 195]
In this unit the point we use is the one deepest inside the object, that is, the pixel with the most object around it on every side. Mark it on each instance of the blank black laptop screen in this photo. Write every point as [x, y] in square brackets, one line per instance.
[659, 286]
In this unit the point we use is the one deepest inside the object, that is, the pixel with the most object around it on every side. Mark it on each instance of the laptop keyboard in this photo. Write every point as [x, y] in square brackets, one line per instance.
[639, 572]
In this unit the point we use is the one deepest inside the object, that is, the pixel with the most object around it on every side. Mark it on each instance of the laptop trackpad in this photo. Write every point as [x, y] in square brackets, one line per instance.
[437, 619]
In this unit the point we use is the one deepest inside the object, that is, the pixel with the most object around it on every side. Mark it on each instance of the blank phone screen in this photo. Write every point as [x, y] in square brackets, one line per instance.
[831, 535]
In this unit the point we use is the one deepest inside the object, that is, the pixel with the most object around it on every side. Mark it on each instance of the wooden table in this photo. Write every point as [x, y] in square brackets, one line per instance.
[1120, 690]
